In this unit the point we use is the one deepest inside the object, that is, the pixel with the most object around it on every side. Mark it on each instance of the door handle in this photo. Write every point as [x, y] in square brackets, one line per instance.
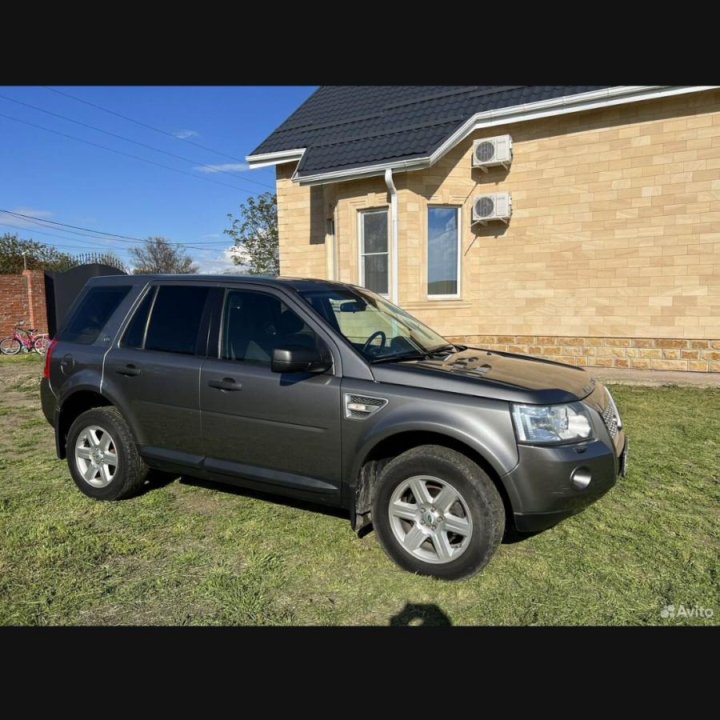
[129, 370]
[225, 384]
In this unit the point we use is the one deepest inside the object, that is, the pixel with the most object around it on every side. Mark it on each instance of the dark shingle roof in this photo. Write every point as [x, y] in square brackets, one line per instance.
[344, 127]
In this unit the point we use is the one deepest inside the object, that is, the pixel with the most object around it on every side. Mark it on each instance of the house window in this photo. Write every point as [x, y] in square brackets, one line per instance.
[374, 264]
[443, 252]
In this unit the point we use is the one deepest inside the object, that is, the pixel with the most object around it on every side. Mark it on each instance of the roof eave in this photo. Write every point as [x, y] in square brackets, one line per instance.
[274, 158]
[564, 105]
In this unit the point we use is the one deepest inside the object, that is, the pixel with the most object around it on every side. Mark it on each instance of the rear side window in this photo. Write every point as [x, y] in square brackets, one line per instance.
[175, 319]
[92, 314]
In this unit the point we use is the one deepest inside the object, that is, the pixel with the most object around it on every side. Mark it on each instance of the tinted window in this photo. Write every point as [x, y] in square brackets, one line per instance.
[93, 313]
[135, 333]
[175, 319]
[256, 323]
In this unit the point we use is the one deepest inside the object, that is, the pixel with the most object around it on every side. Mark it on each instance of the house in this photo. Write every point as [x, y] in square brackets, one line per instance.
[573, 222]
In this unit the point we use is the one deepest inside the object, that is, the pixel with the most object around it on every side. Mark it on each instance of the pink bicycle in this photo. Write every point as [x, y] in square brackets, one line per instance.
[24, 338]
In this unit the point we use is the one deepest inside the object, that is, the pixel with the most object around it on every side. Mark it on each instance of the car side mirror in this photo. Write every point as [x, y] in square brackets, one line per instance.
[294, 358]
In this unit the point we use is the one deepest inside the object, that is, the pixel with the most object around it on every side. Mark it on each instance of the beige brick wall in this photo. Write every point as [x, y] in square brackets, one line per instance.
[615, 234]
[637, 353]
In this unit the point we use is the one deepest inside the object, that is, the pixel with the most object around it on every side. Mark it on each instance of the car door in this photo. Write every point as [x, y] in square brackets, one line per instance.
[155, 370]
[280, 430]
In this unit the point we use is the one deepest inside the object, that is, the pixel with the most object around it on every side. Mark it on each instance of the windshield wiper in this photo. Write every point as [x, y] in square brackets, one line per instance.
[446, 348]
[400, 356]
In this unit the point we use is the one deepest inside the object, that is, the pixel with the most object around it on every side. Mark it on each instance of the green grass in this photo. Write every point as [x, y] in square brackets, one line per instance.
[187, 553]
[23, 357]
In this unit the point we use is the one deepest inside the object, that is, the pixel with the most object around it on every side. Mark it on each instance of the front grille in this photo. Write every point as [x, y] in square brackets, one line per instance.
[610, 420]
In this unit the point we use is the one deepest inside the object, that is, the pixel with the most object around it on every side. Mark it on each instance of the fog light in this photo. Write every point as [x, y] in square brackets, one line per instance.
[581, 477]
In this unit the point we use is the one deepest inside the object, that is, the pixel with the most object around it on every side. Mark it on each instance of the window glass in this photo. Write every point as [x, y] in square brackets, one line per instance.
[175, 319]
[372, 325]
[255, 323]
[93, 313]
[374, 250]
[443, 251]
[135, 333]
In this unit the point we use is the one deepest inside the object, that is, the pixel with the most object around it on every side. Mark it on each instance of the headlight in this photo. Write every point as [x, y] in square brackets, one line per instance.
[552, 423]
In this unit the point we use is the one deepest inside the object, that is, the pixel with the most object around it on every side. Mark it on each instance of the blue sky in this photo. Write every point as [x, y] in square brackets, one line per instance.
[52, 177]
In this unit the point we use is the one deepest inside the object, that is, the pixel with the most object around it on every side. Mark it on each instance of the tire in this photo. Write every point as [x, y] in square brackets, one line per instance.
[456, 526]
[96, 436]
[10, 346]
[41, 345]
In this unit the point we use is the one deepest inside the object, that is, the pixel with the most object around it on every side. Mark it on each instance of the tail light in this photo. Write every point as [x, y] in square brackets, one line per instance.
[48, 358]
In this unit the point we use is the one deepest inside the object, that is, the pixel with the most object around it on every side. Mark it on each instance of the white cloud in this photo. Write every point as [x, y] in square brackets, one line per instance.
[223, 167]
[185, 134]
[21, 222]
[216, 262]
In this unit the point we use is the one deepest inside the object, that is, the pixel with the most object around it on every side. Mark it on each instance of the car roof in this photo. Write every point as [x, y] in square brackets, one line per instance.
[298, 284]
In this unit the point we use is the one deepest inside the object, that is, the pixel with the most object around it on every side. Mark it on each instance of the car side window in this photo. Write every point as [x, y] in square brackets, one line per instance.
[175, 318]
[255, 323]
[93, 313]
[134, 336]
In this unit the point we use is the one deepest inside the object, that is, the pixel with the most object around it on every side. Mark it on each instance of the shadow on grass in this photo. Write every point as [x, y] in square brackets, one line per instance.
[415, 615]
[512, 536]
[158, 479]
[265, 496]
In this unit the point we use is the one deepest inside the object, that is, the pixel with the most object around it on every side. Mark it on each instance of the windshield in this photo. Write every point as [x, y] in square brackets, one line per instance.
[375, 327]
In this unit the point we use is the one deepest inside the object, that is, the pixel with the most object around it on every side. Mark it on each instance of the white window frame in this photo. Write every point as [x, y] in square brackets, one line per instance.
[458, 294]
[361, 245]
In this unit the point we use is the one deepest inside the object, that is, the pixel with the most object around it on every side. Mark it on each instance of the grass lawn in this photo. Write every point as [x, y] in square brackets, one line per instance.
[187, 553]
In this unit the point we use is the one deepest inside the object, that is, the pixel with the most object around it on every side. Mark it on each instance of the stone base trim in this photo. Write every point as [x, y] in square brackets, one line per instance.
[619, 352]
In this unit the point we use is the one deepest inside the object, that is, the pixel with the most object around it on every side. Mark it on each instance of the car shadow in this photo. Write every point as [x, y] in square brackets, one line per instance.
[512, 536]
[157, 479]
[265, 496]
[417, 614]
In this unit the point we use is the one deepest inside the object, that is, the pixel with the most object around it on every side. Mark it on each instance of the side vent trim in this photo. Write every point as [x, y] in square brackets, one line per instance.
[360, 407]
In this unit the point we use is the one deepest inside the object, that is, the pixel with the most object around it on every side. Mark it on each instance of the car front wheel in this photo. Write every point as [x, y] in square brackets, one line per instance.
[437, 513]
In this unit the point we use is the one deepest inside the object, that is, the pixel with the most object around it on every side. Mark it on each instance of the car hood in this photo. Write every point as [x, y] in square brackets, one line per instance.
[491, 374]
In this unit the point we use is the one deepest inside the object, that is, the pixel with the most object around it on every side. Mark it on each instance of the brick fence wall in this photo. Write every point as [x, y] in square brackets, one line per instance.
[22, 297]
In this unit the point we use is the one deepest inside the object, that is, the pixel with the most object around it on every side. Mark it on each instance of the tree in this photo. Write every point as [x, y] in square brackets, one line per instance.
[17, 254]
[255, 234]
[157, 255]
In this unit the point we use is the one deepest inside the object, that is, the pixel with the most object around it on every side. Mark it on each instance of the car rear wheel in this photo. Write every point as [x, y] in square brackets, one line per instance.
[102, 456]
[438, 513]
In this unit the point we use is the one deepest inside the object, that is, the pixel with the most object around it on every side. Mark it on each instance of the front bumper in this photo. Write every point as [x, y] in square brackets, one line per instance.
[552, 483]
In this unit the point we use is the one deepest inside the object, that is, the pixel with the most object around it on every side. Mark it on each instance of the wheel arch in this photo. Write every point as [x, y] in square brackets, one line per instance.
[72, 406]
[389, 447]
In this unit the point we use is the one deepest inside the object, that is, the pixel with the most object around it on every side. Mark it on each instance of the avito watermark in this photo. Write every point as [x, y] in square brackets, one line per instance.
[686, 611]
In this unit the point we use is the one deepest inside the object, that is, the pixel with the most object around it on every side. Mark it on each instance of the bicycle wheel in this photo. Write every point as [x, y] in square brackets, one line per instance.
[10, 346]
[41, 344]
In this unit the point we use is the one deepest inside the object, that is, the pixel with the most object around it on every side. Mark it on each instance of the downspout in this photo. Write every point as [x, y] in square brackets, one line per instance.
[394, 277]
[336, 242]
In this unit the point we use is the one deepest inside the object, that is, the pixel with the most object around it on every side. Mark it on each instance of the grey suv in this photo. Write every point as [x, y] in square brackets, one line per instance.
[326, 392]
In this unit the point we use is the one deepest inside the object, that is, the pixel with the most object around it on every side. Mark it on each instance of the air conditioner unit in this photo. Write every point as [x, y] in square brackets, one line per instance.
[492, 151]
[487, 208]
